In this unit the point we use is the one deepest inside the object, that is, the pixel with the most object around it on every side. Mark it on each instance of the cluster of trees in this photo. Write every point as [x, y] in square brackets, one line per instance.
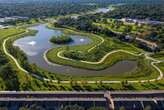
[3, 60]
[95, 55]
[8, 74]
[10, 77]
[63, 39]
[86, 23]
[48, 8]
[75, 55]
[41, 10]
[160, 36]
[138, 11]
[66, 107]
[22, 59]
[77, 107]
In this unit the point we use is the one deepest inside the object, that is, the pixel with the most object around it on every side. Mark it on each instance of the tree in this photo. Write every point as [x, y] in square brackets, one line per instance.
[97, 108]
[122, 108]
[23, 108]
[147, 108]
[72, 107]
[3, 108]
[10, 77]
[36, 107]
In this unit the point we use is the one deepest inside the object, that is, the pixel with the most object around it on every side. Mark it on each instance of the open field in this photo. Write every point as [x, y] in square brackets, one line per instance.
[137, 75]
[96, 44]
[56, 56]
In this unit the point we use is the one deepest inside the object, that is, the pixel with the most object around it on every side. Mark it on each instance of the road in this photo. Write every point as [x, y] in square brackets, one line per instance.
[111, 98]
[82, 95]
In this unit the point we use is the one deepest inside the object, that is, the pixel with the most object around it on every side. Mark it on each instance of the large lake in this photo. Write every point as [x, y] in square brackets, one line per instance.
[35, 46]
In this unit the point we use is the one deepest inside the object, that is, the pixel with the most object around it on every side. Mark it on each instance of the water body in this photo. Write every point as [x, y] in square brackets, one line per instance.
[35, 46]
[102, 10]
[99, 10]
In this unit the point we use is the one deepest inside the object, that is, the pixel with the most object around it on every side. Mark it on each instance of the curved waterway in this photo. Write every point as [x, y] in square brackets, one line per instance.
[35, 46]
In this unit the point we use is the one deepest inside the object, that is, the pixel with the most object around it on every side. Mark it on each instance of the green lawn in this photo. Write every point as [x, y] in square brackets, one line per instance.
[109, 43]
[120, 27]
[26, 82]
[143, 66]
[143, 72]
[159, 55]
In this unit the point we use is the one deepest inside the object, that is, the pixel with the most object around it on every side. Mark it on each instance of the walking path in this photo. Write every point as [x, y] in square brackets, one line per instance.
[59, 54]
[154, 61]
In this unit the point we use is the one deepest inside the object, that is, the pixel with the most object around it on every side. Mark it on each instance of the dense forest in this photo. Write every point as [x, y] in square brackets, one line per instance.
[46, 8]
[35, 10]
[150, 11]
[86, 23]
[8, 74]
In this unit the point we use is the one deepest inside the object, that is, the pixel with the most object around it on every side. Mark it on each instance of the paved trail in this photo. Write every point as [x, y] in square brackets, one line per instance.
[154, 61]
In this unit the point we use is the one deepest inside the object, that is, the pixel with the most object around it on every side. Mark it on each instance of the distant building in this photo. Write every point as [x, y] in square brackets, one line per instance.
[128, 20]
[140, 21]
[4, 27]
[150, 45]
[13, 18]
[1, 26]
[128, 38]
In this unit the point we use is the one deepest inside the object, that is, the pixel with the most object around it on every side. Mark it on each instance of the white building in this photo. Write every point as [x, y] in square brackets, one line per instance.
[13, 18]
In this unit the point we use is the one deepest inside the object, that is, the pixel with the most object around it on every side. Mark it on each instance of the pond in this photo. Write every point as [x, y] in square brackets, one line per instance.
[35, 46]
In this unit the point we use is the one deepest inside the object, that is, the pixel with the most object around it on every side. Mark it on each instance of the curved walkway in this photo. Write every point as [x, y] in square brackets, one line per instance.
[102, 41]
[154, 61]
[8, 54]
[15, 60]
[102, 60]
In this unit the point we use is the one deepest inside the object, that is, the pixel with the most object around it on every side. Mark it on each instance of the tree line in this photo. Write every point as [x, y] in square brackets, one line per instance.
[8, 74]
[138, 11]
[41, 10]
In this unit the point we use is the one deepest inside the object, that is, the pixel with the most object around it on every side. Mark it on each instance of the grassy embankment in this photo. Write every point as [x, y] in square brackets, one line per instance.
[38, 85]
[108, 43]
[143, 65]
[26, 82]
[159, 56]
[5, 33]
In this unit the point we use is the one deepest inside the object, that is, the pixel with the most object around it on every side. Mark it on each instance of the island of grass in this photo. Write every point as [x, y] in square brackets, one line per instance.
[63, 39]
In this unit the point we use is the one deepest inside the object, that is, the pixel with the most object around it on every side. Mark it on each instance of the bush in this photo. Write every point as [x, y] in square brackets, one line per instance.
[72, 107]
[61, 39]
[75, 55]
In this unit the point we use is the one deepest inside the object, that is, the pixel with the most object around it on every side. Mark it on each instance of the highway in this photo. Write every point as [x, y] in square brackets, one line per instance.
[110, 99]
[83, 95]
